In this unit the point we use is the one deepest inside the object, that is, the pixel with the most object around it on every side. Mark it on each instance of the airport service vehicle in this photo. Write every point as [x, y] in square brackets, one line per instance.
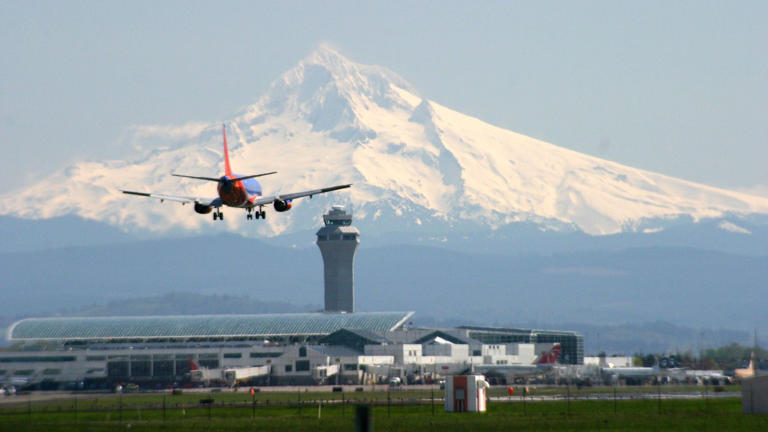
[229, 376]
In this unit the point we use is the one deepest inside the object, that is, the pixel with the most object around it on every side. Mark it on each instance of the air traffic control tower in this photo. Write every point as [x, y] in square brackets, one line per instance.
[337, 241]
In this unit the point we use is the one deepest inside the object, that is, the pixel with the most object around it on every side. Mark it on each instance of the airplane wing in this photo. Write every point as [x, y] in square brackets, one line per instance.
[292, 196]
[177, 198]
[232, 179]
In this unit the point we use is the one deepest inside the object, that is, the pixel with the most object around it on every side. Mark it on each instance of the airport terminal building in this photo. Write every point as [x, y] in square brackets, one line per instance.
[307, 349]
[337, 346]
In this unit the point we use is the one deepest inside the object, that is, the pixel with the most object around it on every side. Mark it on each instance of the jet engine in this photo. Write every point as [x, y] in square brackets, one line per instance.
[202, 209]
[281, 205]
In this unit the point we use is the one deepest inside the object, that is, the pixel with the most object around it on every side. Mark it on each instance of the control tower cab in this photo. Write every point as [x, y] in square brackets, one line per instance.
[337, 241]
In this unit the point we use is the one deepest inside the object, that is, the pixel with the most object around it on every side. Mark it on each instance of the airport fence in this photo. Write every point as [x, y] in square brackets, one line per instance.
[167, 406]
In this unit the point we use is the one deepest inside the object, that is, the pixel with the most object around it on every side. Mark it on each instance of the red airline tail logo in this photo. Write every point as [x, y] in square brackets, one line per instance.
[192, 365]
[227, 169]
[551, 356]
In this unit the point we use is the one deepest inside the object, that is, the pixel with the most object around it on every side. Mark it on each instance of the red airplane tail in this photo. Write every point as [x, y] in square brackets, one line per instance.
[549, 357]
[193, 365]
[227, 169]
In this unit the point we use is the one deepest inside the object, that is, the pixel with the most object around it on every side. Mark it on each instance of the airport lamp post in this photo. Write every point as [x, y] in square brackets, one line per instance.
[525, 407]
[253, 403]
[658, 388]
[433, 385]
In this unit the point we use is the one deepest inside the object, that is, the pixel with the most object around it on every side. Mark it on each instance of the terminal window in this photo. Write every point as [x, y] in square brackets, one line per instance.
[209, 363]
[183, 363]
[140, 368]
[265, 354]
[117, 368]
[162, 367]
[37, 359]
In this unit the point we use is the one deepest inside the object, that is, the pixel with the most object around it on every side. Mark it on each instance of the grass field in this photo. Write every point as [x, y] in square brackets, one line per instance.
[405, 411]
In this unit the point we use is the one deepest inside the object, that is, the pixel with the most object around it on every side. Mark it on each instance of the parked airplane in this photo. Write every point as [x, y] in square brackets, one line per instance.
[707, 376]
[747, 372]
[237, 191]
[544, 363]
[635, 372]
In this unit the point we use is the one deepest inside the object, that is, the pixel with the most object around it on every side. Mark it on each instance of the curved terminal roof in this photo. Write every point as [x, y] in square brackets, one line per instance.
[202, 326]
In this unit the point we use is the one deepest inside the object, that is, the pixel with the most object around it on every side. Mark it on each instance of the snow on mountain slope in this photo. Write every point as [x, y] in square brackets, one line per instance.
[329, 121]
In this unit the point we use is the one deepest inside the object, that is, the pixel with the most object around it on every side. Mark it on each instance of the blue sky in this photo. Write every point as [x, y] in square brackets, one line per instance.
[675, 87]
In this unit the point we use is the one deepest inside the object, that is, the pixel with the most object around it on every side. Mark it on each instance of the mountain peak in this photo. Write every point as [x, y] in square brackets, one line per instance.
[326, 55]
[326, 64]
[332, 92]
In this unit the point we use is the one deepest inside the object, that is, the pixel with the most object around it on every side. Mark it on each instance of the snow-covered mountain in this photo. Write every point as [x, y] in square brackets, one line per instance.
[414, 164]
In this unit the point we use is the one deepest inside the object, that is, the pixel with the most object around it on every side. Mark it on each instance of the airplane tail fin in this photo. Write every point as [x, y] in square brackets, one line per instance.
[193, 365]
[549, 357]
[227, 169]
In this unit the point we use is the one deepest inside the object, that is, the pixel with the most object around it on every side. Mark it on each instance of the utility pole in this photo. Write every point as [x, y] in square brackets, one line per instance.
[658, 389]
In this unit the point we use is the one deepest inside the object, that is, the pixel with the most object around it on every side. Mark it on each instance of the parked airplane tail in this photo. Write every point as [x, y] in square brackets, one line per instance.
[747, 372]
[549, 357]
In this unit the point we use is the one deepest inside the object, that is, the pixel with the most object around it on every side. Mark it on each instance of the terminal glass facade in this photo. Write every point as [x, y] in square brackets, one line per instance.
[572, 343]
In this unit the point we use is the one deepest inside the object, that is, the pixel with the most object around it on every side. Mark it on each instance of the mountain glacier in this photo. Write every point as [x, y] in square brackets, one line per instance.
[415, 165]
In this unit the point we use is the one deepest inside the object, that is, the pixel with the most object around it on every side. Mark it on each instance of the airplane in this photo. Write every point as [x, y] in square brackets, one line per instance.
[708, 376]
[747, 372]
[631, 372]
[543, 363]
[237, 191]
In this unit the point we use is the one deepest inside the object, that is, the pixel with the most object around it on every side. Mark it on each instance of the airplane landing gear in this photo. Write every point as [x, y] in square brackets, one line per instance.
[258, 214]
[218, 215]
